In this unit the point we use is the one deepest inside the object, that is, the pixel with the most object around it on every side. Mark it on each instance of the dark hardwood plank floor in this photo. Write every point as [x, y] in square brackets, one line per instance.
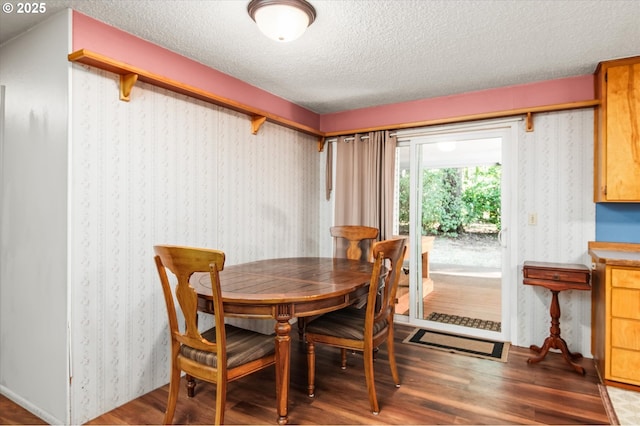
[13, 414]
[437, 388]
[465, 296]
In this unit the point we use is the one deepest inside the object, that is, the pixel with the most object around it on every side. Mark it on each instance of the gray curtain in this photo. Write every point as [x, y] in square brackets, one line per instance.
[364, 186]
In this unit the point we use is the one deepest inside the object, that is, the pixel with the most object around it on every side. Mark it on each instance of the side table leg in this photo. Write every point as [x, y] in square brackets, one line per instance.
[570, 357]
[554, 340]
[541, 350]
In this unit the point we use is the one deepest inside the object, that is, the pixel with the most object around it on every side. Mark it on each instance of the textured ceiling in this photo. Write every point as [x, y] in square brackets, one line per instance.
[361, 53]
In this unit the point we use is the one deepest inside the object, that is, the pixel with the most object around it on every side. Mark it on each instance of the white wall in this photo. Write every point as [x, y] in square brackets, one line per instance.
[33, 226]
[165, 168]
[555, 181]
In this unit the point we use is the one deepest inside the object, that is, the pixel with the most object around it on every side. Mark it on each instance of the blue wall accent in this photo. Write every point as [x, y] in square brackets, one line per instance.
[618, 222]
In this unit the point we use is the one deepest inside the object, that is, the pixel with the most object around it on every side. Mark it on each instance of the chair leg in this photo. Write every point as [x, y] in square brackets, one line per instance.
[221, 400]
[191, 386]
[392, 357]
[191, 382]
[311, 369]
[174, 387]
[301, 326]
[343, 362]
[371, 385]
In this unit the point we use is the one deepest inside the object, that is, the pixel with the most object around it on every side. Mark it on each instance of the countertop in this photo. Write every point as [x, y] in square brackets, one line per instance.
[615, 254]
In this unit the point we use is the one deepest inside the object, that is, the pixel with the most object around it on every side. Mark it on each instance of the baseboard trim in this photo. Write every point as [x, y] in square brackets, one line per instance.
[29, 406]
[608, 406]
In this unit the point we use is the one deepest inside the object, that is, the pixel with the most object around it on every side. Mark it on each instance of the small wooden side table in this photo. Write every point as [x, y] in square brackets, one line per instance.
[556, 277]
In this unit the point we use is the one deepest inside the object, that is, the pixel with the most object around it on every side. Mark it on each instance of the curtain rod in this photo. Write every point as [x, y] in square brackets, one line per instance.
[351, 138]
[345, 139]
[528, 112]
[420, 131]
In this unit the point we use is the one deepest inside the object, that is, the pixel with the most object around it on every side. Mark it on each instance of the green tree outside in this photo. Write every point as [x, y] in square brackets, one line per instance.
[453, 199]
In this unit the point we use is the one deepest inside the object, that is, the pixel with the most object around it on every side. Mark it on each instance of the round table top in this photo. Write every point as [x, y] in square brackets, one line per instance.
[287, 280]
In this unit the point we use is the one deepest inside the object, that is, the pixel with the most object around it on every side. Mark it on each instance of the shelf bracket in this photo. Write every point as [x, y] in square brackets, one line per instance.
[127, 81]
[529, 122]
[321, 142]
[256, 122]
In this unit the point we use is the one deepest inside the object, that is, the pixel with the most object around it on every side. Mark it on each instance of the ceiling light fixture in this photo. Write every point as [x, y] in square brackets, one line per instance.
[282, 20]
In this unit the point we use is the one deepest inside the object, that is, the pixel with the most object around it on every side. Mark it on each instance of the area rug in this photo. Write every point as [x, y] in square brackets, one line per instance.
[625, 404]
[465, 321]
[471, 346]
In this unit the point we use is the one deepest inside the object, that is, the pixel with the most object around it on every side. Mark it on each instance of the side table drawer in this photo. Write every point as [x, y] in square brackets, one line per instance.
[557, 275]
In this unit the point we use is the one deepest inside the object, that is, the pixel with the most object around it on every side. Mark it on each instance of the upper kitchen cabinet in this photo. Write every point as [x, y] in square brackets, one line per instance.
[617, 131]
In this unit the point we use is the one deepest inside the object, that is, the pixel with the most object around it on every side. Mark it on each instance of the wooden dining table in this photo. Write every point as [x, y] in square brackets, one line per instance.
[283, 289]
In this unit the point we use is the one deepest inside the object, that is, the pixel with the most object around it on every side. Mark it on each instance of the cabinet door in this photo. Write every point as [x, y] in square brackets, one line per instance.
[625, 278]
[625, 304]
[625, 366]
[623, 133]
[627, 334]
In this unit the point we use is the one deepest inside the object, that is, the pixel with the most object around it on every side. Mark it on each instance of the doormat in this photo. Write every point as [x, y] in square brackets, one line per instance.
[465, 321]
[471, 346]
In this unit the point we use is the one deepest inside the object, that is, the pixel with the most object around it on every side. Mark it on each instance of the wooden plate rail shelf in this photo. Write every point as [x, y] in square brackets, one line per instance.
[130, 74]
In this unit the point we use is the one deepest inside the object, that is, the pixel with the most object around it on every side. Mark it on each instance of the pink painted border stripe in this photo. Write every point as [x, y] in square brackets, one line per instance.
[106, 40]
[572, 89]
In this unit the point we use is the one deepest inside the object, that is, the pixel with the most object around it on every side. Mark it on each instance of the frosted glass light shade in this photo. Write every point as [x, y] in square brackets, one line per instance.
[282, 20]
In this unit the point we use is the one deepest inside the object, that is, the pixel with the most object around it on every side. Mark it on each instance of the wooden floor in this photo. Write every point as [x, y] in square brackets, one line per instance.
[466, 296]
[437, 388]
[13, 414]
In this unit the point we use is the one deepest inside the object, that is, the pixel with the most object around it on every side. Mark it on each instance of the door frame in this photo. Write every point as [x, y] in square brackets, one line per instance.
[507, 129]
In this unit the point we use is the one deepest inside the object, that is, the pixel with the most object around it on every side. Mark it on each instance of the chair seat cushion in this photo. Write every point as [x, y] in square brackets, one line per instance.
[347, 323]
[242, 346]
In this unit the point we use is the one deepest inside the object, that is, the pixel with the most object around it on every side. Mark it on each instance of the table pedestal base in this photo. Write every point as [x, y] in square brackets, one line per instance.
[554, 341]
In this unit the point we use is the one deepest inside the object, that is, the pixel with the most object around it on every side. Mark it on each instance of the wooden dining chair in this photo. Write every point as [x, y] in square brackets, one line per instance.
[220, 354]
[363, 329]
[355, 237]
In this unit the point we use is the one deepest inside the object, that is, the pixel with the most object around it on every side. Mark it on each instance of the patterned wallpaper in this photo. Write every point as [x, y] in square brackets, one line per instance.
[555, 181]
[165, 168]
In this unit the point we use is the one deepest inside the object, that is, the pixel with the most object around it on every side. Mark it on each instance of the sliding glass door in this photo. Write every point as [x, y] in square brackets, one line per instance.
[453, 199]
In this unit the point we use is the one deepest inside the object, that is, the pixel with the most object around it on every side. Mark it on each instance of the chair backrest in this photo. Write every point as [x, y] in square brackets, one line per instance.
[355, 236]
[183, 262]
[381, 301]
